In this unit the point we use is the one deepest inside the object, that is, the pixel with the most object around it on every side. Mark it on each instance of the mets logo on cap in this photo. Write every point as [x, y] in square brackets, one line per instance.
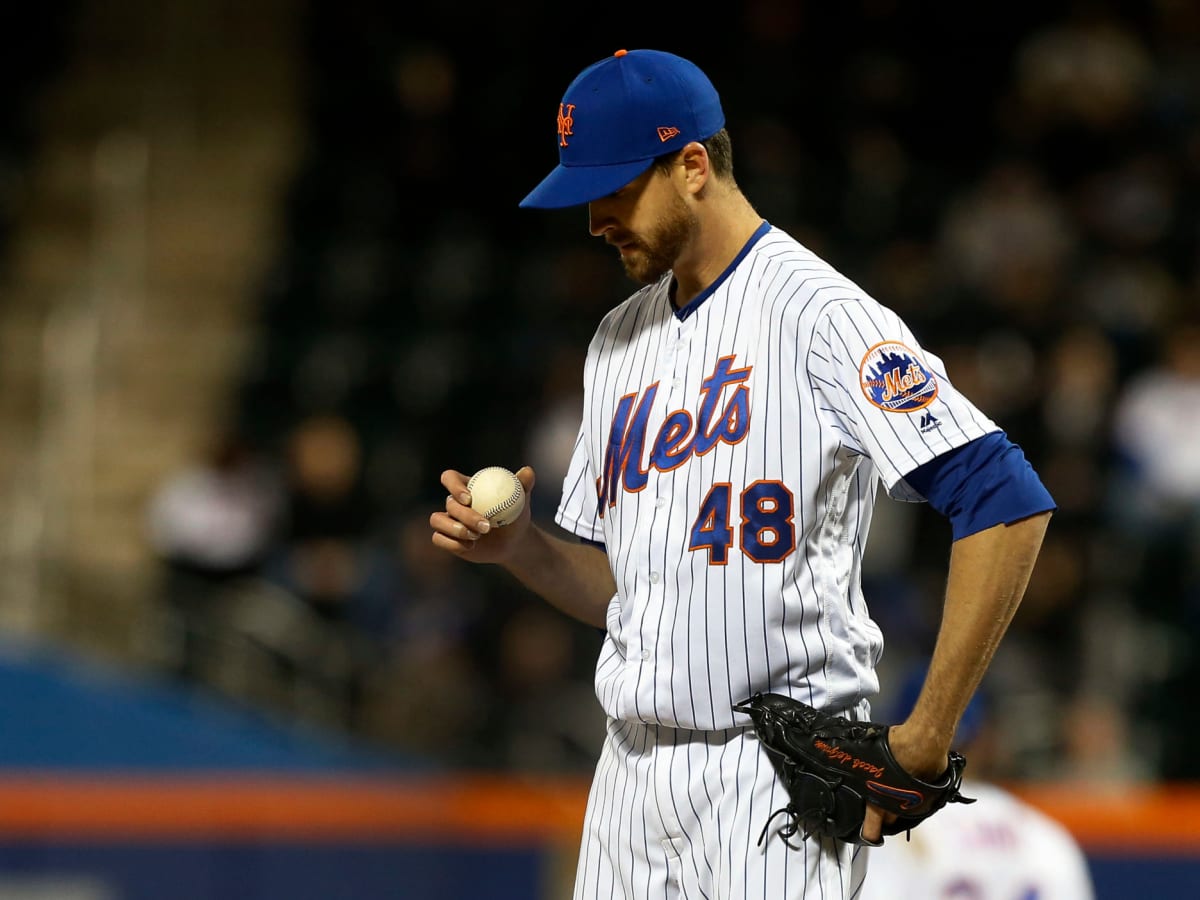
[895, 379]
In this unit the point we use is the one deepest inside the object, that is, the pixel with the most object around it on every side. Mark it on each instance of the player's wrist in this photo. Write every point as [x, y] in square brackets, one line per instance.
[920, 747]
[526, 553]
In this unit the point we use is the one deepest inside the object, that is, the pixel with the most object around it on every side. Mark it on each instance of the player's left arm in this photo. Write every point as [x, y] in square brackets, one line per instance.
[999, 511]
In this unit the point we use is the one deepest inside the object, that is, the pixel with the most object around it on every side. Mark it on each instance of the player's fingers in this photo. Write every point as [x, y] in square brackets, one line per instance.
[872, 827]
[467, 516]
[445, 524]
[527, 478]
[456, 484]
[446, 543]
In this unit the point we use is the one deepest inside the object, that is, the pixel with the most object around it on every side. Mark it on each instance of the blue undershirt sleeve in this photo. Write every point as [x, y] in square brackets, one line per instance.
[985, 482]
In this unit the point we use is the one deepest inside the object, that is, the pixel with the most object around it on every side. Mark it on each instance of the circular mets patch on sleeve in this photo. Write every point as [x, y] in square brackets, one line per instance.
[895, 379]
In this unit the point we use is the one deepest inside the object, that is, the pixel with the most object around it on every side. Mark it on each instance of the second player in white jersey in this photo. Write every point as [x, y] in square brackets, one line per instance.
[729, 458]
[998, 848]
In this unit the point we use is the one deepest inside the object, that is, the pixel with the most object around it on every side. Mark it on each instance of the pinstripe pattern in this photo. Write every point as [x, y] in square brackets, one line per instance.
[728, 458]
[677, 814]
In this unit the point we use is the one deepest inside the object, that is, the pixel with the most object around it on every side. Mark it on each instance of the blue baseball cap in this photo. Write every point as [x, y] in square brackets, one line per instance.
[618, 116]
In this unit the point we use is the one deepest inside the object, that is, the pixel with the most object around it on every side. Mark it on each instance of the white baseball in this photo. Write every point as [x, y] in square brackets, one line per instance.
[497, 494]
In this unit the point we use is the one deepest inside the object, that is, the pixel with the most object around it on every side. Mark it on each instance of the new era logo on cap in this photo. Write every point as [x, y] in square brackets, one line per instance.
[617, 116]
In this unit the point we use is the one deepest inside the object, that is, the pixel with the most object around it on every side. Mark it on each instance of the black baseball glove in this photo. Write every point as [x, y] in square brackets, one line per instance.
[832, 766]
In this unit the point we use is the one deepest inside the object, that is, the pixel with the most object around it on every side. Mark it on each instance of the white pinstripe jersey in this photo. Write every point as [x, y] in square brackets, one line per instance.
[728, 459]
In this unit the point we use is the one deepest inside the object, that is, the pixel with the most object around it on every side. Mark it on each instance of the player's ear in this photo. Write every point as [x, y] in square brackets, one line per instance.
[694, 160]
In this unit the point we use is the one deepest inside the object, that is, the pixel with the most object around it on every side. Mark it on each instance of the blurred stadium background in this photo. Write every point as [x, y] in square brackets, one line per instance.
[262, 277]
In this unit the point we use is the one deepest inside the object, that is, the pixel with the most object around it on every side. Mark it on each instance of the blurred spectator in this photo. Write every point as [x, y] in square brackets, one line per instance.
[325, 496]
[211, 524]
[1086, 69]
[1156, 434]
[1100, 749]
[1006, 241]
[332, 559]
[1081, 381]
[544, 714]
[431, 692]
[1154, 505]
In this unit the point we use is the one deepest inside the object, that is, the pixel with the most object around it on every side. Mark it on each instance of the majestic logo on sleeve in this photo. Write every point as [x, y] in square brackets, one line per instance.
[895, 379]
[566, 122]
[723, 417]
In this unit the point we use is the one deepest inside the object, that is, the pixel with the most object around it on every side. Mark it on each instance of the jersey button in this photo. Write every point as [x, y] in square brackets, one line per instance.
[645, 654]
[654, 576]
[660, 502]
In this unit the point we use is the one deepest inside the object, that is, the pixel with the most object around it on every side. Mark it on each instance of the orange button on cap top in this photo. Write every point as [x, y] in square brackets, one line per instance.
[620, 53]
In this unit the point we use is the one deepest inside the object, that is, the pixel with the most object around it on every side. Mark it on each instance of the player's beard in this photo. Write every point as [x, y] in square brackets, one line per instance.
[654, 254]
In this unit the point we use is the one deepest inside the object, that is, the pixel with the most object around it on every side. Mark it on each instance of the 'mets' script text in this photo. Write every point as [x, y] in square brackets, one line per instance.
[679, 437]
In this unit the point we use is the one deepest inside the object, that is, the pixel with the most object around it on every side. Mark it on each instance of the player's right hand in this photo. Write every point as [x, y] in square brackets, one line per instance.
[465, 533]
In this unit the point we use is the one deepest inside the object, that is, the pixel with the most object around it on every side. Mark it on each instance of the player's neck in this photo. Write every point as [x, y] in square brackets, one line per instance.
[724, 230]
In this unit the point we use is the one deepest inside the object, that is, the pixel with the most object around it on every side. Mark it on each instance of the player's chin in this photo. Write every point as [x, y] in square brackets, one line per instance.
[640, 267]
[630, 253]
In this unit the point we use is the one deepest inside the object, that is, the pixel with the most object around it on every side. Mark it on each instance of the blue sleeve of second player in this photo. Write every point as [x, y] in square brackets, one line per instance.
[985, 482]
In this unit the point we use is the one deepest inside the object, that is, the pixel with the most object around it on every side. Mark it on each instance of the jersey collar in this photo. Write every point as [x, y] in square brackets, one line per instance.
[695, 302]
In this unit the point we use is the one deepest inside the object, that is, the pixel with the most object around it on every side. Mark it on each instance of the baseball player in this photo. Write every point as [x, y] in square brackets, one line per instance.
[998, 848]
[741, 409]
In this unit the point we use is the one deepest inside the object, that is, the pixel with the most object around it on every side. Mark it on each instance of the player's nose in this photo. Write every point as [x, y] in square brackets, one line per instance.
[599, 224]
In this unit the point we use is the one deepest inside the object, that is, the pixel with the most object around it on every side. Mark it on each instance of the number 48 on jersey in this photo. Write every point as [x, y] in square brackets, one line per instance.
[765, 532]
